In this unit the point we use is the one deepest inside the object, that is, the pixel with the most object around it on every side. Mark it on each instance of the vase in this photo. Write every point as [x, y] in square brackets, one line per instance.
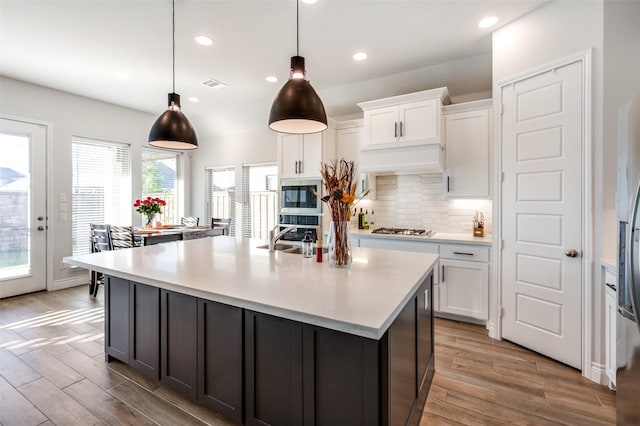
[152, 221]
[338, 244]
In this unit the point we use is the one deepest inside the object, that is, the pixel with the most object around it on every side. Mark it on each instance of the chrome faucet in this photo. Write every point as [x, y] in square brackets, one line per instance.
[273, 237]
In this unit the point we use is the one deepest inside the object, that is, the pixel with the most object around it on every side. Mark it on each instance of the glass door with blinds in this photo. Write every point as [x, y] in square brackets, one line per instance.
[23, 202]
[101, 190]
[160, 177]
[260, 200]
[220, 198]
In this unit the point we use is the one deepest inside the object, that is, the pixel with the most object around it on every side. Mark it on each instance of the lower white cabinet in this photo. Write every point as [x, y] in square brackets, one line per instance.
[460, 280]
[611, 309]
[464, 280]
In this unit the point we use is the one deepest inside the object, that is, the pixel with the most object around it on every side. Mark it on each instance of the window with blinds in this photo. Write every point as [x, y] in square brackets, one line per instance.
[259, 200]
[101, 188]
[160, 176]
[220, 200]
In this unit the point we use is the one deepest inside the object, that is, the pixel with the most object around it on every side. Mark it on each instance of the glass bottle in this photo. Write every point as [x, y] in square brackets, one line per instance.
[307, 245]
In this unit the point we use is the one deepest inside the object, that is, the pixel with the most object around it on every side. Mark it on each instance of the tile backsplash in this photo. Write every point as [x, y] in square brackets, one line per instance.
[418, 201]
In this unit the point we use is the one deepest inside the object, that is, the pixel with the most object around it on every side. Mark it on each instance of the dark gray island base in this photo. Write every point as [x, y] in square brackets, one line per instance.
[259, 369]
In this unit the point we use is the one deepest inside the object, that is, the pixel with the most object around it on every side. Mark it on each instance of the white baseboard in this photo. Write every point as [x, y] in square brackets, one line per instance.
[598, 374]
[68, 282]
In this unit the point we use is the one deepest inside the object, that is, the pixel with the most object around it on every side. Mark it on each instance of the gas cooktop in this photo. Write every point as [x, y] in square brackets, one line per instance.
[403, 231]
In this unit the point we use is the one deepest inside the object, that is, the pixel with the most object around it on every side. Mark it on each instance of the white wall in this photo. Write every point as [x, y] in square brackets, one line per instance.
[621, 82]
[69, 115]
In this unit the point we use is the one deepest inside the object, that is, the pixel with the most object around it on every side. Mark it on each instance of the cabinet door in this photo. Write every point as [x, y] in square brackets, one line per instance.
[381, 125]
[467, 154]
[611, 309]
[419, 121]
[341, 378]
[348, 143]
[311, 155]
[273, 370]
[289, 155]
[464, 288]
[220, 358]
[180, 342]
[116, 303]
[144, 332]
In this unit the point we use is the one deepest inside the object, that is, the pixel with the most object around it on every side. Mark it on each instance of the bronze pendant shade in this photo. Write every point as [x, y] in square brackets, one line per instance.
[172, 129]
[297, 107]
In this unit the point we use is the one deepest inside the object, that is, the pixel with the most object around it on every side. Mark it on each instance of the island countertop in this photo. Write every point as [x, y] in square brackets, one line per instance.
[363, 299]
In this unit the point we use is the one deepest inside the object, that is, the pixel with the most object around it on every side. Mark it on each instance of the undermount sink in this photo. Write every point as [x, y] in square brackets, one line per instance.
[289, 248]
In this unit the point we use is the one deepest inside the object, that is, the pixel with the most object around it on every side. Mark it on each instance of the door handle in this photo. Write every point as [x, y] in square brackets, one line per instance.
[40, 228]
[571, 253]
[40, 218]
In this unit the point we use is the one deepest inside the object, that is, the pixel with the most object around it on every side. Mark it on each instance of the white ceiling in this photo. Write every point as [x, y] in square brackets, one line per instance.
[78, 46]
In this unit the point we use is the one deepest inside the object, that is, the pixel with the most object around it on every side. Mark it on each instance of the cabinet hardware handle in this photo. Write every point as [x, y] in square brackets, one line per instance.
[301, 168]
[442, 277]
[401, 129]
[463, 253]
[297, 167]
[395, 129]
[447, 183]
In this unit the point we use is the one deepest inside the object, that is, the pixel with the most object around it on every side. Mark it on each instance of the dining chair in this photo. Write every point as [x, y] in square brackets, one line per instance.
[100, 241]
[189, 221]
[122, 237]
[221, 223]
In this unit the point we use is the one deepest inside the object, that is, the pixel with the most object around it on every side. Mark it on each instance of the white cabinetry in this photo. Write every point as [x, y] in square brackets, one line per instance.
[464, 280]
[410, 122]
[403, 133]
[467, 159]
[611, 309]
[349, 140]
[300, 155]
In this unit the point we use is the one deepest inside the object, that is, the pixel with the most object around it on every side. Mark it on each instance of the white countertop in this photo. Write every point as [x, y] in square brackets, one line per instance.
[362, 300]
[438, 237]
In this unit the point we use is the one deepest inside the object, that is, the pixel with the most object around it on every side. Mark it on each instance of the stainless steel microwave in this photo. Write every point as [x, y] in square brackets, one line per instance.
[301, 196]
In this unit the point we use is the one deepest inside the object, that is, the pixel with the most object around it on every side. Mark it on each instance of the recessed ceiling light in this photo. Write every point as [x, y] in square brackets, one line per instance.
[309, 1]
[204, 40]
[360, 56]
[272, 79]
[123, 75]
[488, 21]
[194, 99]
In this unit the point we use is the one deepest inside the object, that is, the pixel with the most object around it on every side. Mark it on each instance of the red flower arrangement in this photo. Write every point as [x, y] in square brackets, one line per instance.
[149, 207]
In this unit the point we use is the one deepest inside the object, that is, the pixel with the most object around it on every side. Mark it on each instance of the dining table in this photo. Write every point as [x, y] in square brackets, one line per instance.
[150, 236]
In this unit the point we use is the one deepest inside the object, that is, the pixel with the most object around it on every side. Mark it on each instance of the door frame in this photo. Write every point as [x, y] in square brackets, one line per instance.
[48, 190]
[495, 312]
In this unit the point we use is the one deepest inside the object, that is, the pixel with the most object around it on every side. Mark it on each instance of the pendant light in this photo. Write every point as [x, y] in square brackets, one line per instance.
[172, 129]
[297, 108]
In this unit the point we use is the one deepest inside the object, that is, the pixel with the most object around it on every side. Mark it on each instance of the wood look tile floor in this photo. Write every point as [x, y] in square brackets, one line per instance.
[52, 371]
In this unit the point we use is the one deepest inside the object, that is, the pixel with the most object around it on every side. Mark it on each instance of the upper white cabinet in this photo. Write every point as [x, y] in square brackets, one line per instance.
[468, 137]
[403, 134]
[300, 155]
[349, 139]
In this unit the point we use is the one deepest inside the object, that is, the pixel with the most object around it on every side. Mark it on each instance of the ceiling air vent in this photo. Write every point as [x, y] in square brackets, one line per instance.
[214, 84]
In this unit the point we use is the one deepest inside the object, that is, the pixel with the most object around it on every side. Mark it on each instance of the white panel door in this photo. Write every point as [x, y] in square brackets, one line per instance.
[311, 155]
[290, 155]
[381, 125]
[419, 121]
[23, 223]
[542, 213]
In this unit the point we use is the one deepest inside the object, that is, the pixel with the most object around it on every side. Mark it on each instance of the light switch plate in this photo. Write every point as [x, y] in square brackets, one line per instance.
[62, 197]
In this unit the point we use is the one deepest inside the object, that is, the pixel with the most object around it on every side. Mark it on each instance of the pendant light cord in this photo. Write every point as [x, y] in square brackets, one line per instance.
[297, 28]
[173, 36]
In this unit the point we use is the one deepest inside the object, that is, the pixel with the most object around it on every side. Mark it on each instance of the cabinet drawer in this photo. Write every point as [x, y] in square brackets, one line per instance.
[464, 252]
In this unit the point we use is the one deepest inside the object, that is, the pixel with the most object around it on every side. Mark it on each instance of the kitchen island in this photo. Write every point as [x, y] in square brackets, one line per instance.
[274, 338]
